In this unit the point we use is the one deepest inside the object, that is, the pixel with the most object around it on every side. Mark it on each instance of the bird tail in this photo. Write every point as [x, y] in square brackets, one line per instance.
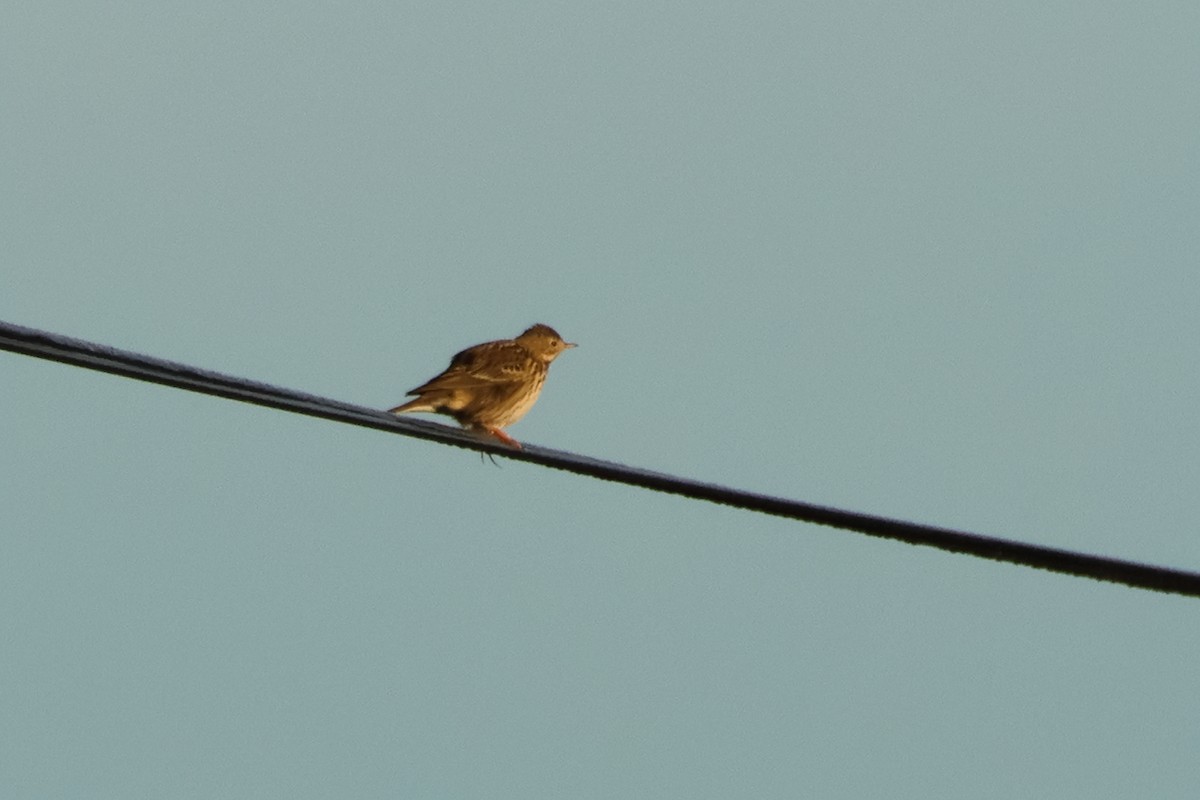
[417, 404]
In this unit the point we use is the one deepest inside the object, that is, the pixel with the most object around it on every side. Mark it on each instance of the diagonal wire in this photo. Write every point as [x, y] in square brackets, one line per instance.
[54, 347]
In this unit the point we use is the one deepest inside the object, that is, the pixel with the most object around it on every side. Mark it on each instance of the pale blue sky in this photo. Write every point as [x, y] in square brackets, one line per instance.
[933, 260]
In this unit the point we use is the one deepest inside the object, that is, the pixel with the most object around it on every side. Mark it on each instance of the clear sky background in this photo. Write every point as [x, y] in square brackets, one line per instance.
[932, 260]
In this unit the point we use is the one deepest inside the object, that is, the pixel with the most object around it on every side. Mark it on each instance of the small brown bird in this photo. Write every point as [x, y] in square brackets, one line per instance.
[491, 385]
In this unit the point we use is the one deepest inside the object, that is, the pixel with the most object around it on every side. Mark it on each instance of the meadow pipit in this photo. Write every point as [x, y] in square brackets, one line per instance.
[491, 385]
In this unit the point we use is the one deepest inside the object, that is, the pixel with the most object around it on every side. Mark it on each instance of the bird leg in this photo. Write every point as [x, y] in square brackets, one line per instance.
[502, 436]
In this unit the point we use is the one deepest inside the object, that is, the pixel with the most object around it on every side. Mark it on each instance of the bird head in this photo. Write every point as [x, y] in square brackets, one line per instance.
[544, 342]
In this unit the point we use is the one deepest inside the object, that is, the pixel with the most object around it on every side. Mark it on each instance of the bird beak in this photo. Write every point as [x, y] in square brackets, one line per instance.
[569, 345]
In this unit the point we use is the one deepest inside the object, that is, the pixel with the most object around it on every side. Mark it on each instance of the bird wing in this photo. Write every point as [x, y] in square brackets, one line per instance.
[486, 364]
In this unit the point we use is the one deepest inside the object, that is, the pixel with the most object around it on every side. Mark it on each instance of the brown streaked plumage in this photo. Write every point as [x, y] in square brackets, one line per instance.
[491, 385]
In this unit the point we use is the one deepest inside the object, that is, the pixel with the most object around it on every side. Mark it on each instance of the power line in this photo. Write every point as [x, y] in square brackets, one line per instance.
[54, 347]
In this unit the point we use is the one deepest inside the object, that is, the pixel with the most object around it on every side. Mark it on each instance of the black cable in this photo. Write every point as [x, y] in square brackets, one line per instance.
[54, 347]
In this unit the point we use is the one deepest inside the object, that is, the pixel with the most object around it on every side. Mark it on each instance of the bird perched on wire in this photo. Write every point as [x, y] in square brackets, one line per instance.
[491, 385]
